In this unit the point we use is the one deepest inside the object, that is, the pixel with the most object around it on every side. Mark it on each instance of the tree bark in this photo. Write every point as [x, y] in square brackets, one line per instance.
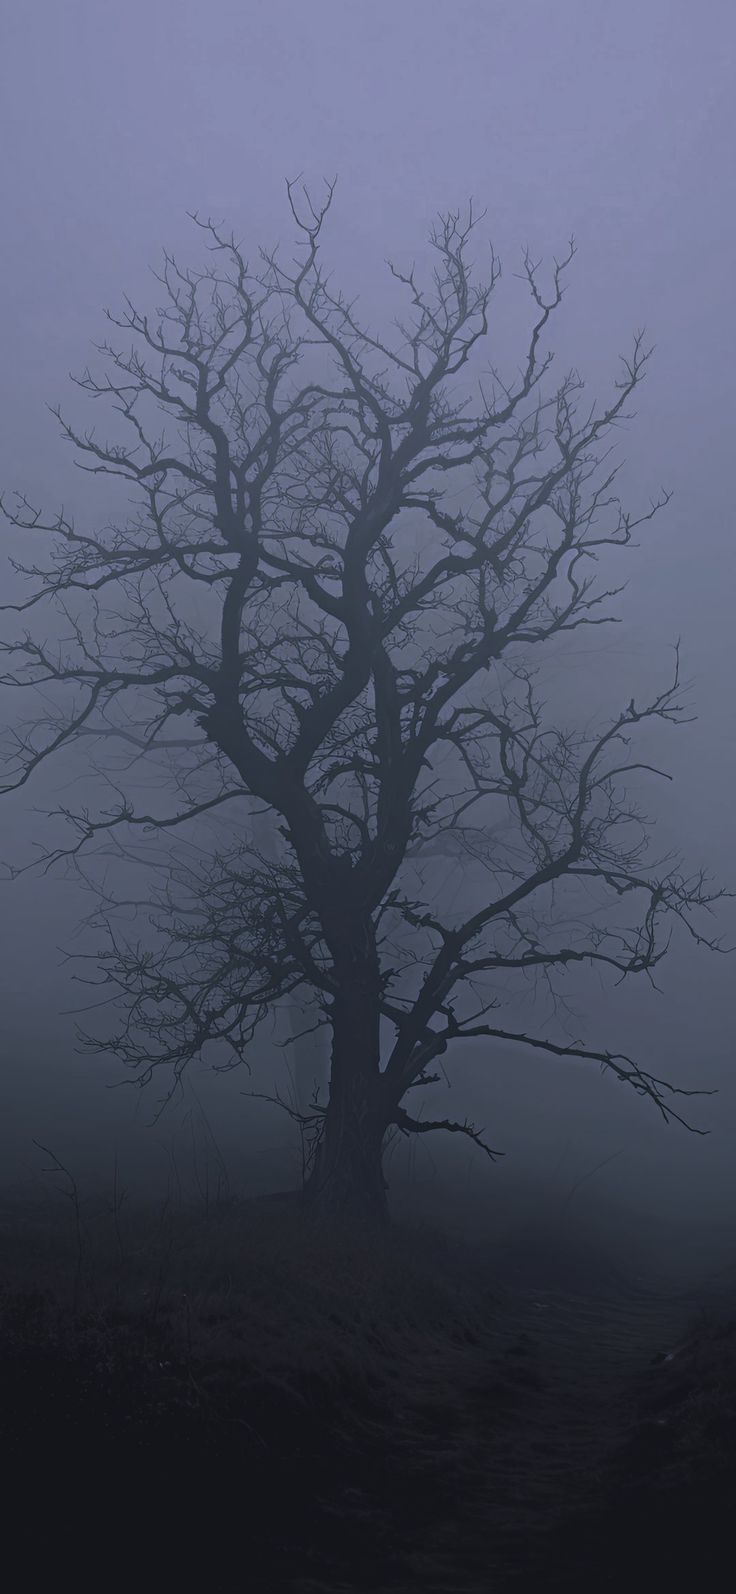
[347, 1179]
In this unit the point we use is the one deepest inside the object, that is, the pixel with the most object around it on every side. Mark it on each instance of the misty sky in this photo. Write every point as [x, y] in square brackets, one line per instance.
[611, 122]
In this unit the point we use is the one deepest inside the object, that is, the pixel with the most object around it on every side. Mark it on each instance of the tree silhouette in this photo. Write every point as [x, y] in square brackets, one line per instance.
[346, 553]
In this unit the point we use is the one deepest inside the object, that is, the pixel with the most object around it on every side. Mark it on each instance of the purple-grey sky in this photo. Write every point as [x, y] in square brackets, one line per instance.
[611, 122]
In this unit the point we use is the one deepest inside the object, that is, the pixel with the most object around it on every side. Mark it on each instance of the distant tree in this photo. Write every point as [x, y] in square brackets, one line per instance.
[345, 557]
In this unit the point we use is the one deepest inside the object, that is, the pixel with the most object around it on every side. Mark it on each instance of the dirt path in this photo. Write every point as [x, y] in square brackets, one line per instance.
[553, 1402]
[588, 1347]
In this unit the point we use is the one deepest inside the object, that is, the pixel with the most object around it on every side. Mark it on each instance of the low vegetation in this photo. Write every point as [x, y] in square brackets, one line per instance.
[372, 1412]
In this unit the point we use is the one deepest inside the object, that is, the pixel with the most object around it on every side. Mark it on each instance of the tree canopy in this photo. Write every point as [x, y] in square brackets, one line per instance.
[330, 604]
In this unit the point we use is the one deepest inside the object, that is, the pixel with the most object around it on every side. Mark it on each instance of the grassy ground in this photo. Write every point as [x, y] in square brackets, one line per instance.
[354, 1413]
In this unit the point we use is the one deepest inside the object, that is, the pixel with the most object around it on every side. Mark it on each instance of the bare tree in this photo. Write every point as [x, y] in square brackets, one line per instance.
[346, 552]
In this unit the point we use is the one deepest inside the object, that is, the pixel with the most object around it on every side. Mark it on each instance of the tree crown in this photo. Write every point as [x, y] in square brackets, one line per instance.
[345, 549]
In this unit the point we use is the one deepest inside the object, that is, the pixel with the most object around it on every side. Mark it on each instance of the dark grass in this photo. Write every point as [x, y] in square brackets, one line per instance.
[335, 1408]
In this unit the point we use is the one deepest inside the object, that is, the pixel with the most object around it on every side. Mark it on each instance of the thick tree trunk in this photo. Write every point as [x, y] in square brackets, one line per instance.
[347, 1179]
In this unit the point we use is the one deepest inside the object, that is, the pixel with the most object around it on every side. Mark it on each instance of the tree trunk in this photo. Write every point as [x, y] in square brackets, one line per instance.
[347, 1179]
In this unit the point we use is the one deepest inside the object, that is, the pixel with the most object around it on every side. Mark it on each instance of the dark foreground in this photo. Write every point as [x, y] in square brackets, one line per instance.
[322, 1411]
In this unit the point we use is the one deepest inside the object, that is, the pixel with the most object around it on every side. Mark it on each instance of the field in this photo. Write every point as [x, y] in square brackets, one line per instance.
[350, 1413]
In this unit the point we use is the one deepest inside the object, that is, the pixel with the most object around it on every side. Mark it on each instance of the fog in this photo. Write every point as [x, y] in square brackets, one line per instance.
[613, 124]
